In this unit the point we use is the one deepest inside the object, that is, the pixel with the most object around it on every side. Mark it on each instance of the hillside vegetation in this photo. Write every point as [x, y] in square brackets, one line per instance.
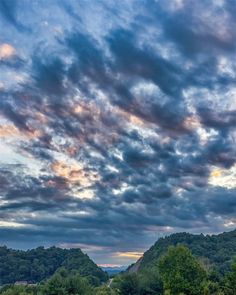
[215, 251]
[39, 264]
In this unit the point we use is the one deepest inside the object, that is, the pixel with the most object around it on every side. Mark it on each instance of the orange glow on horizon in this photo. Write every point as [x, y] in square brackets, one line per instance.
[135, 255]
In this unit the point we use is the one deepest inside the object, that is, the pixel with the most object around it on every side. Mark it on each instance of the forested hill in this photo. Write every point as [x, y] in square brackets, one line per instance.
[38, 264]
[216, 251]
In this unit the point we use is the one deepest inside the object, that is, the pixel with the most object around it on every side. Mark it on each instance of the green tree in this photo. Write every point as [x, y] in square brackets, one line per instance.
[150, 282]
[66, 283]
[126, 284]
[230, 281]
[181, 272]
[18, 290]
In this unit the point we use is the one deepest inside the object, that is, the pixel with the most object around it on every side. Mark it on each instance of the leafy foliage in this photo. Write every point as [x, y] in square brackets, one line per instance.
[145, 283]
[18, 290]
[65, 283]
[230, 280]
[181, 272]
[127, 284]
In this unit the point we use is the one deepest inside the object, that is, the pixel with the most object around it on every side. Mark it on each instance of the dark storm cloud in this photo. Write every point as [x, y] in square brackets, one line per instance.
[221, 152]
[13, 115]
[31, 193]
[222, 121]
[191, 41]
[8, 10]
[48, 75]
[134, 61]
[119, 127]
[14, 62]
[70, 10]
[135, 157]
[89, 63]
[147, 195]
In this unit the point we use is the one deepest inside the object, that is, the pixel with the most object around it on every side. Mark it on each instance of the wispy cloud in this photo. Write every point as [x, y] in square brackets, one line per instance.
[117, 122]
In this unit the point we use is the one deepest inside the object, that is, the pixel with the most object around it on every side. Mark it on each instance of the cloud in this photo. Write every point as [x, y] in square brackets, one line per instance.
[135, 255]
[223, 121]
[123, 126]
[6, 51]
[223, 177]
[9, 11]
[48, 75]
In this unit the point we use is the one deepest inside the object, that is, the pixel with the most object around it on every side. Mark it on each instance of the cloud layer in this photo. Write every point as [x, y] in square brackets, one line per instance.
[117, 123]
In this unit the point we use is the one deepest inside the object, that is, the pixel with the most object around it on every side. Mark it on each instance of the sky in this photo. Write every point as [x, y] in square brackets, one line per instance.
[117, 123]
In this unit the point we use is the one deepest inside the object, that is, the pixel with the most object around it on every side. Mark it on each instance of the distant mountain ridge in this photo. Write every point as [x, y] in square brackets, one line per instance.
[39, 264]
[216, 251]
[112, 270]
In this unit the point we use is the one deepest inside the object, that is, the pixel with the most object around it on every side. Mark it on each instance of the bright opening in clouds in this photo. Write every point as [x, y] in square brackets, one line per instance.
[117, 123]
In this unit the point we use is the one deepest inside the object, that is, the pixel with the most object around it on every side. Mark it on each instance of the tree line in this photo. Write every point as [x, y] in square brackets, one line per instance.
[176, 272]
